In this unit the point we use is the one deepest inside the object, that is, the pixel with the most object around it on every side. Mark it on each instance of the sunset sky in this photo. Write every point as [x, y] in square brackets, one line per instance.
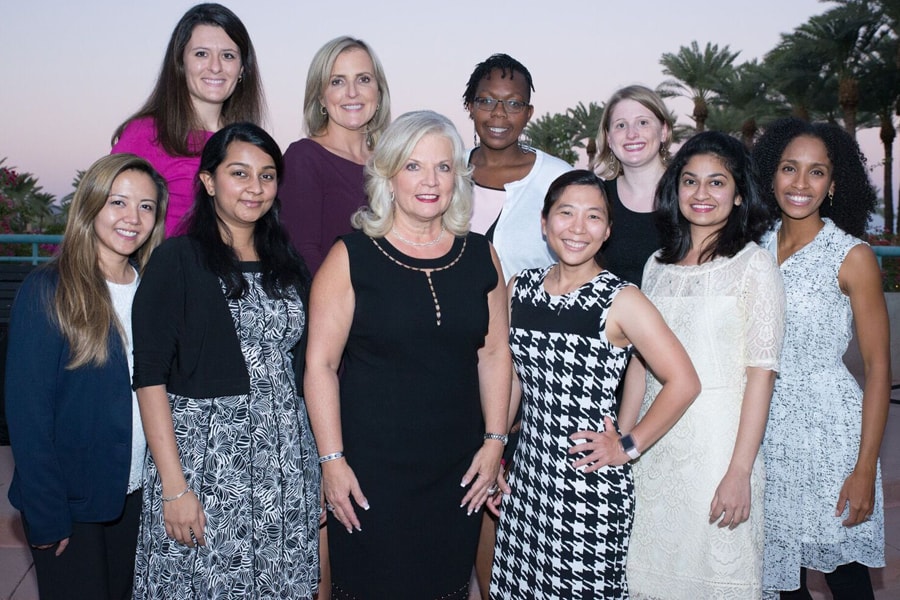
[72, 71]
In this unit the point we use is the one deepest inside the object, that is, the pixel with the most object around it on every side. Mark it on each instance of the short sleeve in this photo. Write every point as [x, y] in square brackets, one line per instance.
[763, 302]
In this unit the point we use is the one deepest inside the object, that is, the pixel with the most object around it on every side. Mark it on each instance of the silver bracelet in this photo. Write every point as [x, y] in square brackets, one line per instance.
[332, 456]
[500, 437]
[176, 496]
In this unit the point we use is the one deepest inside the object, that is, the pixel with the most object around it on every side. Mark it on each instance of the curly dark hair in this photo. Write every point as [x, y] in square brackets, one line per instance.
[747, 222]
[854, 198]
[503, 63]
[282, 267]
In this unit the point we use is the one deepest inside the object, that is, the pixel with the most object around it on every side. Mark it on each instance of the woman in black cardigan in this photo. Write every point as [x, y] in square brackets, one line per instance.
[232, 488]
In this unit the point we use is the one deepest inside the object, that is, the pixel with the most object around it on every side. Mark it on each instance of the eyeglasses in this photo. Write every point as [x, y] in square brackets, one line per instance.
[511, 106]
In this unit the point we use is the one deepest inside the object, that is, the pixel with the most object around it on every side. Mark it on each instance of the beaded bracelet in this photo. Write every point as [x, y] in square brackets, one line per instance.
[176, 496]
[332, 456]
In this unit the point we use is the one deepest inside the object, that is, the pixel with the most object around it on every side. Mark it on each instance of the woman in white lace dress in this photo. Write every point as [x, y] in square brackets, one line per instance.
[824, 505]
[698, 526]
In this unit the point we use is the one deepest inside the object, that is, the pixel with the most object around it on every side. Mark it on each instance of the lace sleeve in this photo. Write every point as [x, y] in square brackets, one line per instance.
[763, 302]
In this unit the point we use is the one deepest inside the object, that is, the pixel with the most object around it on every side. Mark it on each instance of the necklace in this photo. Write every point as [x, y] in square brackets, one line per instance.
[427, 272]
[419, 244]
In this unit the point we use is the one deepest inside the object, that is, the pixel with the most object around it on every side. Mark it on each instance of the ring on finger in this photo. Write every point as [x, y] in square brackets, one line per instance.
[329, 507]
[492, 490]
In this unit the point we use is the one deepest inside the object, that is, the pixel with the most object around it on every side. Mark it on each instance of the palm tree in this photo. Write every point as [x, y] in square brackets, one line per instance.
[586, 120]
[797, 81]
[696, 75]
[66, 201]
[742, 102]
[843, 38]
[30, 206]
[553, 134]
[881, 80]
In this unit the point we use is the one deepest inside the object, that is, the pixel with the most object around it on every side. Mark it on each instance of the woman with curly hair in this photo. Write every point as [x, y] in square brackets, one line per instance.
[699, 490]
[824, 505]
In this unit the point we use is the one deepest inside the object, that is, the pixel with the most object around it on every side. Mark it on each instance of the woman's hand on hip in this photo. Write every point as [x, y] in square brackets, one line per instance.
[599, 448]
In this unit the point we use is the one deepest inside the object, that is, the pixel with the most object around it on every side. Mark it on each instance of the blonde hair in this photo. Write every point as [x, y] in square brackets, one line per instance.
[318, 77]
[395, 148]
[82, 305]
[605, 164]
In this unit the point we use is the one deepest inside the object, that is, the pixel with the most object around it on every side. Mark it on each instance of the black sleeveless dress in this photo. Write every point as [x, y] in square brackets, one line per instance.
[632, 240]
[411, 418]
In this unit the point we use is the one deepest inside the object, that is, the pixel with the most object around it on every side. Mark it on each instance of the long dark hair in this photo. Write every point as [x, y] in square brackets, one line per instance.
[282, 267]
[746, 223]
[169, 104]
[567, 180]
[854, 198]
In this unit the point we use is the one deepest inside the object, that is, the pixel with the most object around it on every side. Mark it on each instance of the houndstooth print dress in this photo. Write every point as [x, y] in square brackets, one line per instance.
[563, 533]
[252, 462]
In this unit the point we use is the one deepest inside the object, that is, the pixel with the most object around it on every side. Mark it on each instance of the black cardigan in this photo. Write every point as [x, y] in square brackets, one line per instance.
[184, 336]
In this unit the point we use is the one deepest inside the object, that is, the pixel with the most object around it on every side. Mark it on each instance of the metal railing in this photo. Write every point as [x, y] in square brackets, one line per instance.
[886, 252]
[34, 239]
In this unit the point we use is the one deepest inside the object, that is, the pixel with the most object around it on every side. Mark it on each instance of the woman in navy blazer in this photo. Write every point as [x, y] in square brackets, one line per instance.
[74, 426]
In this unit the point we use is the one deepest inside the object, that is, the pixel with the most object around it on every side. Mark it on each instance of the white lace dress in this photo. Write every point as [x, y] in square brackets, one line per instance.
[812, 438]
[728, 313]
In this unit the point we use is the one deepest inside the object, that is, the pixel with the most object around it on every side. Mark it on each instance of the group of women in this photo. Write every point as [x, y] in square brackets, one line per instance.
[472, 392]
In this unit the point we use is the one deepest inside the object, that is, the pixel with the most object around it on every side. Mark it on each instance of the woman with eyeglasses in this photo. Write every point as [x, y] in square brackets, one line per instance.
[510, 182]
[510, 177]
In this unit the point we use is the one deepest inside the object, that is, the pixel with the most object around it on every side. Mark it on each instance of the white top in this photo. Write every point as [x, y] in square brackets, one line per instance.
[122, 295]
[517, 236]
[728, 314]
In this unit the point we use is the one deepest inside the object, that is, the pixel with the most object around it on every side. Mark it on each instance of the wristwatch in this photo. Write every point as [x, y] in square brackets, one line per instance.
[629, 447]
[497, 436]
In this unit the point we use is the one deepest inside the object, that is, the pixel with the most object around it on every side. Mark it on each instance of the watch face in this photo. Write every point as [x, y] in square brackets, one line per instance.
[628, 446]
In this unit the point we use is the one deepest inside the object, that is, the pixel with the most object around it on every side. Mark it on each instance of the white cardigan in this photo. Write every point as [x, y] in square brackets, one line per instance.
[517, 235]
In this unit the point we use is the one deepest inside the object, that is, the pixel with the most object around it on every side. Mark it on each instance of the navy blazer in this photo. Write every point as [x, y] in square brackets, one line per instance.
[70, 430]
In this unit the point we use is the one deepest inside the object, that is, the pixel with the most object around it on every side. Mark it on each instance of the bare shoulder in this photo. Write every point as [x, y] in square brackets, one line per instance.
[860, 268]
[335, 269]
